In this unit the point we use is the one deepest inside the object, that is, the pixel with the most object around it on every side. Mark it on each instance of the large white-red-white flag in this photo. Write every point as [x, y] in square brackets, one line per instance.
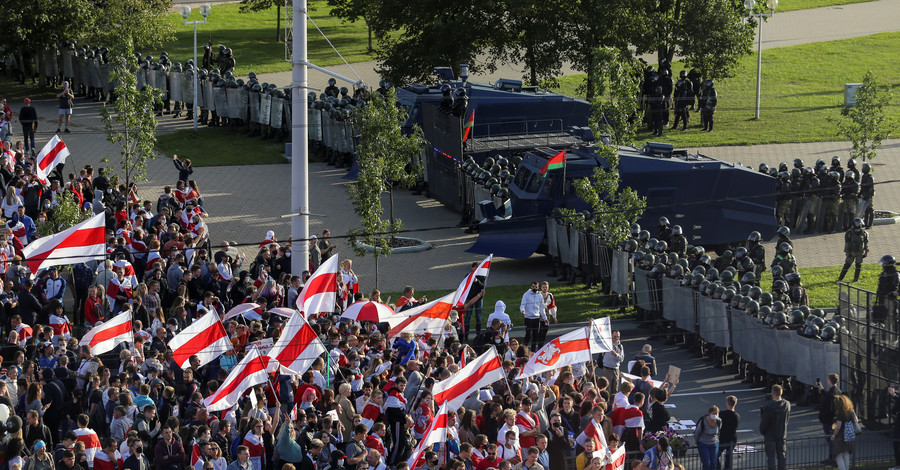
[437, 432]
[426, 318]
[206, 338]
[77, 244]
[617, 459]
[319, 294]
[462, 292]
[297, 347]
[91, 443]
[106, 336]
[53, 153]
[483, 371]
[61, 327]
[594, 432]
[253, 370]
[568, 349]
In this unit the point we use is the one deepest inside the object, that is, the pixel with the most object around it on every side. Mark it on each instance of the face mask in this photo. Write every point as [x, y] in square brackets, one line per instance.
[340, 463]
[714, 417]
[42, 219]
[288, 254]
[497, 340]
[534, 289]
[138, 450]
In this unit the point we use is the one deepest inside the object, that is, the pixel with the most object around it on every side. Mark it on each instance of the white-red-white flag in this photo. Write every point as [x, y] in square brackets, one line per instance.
[370, 413]
[61, 327]
[426, 318]
[462, 292]
[106, 336]
[197, 461]
[251, 371]
[436, 433]
[483, 371]
[53, 153]
[320, 291]
[103, 461]
[77, 244]
[568, 349]
[594, 432]
[297, 347]
[91, 443]
[617, 459]
[206, 338]
[628, 416]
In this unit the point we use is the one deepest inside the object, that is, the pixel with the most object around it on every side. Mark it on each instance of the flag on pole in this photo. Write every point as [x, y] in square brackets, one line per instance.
[483, 371]
[462, 292]
[106, 336]
[568, 349]
[53, 153]
[320, 292]
[435, 434]
[555, 162]
[77, 244]
[297, 347]
[594, 432]
[206, 338]
[470, 123]
[197, 461]
[427, 318]
[251, 371]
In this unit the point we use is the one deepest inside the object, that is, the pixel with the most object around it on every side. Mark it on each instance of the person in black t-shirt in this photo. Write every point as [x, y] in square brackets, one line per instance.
[728, 434]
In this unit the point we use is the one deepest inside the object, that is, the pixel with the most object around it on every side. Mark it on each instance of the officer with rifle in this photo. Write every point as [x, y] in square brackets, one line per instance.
[856, 247]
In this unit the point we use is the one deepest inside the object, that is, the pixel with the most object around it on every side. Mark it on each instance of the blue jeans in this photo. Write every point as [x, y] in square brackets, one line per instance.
[726, 448]
[476, 309]
[708, 455]
[776, 454]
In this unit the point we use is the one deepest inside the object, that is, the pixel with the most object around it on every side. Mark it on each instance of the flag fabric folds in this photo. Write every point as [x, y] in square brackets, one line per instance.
[555, 162]
[426, 318]
[462, 292]
[53, 153]
[483, 371]
[106, 336]
[206, 338]
[568, 349]
[320, 291]
[297, 347]
[251, 371]
[77, 244]
[436, 433]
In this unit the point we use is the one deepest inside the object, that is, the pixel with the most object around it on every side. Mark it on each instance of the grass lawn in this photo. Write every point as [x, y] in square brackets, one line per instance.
[802, 86]
[252, 38]
[15, 93]
[220, 147]
[577, 304]
[789, 5]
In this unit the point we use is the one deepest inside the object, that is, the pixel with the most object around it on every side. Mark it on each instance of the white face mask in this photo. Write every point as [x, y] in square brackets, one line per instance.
[713, 417]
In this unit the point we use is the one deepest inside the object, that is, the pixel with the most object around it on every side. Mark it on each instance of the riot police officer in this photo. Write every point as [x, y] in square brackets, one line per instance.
[461, 102]
[851, 166]
[724, 261]
[332, 89]
[856, 247]
[796, 291]
[812, 200]
[867, 193]
[888, 287]
[783, 198]
[785, 259]
[665, 230]
[763, 168]
[207, 56]
[696, 79]
[684, 97]
[446, 105]
[831, 191]
[849, 200]
[658, 111]
[709, 106]
[784, 236]
[797, 197]
[678, 243]
[757, 252]
[836, 166]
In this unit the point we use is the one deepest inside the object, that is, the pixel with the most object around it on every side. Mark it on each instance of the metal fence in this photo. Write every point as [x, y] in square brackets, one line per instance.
[873, 450]
[870, 352]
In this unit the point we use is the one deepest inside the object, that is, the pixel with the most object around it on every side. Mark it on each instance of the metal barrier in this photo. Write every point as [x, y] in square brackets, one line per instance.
[870, 352]
[873, 450]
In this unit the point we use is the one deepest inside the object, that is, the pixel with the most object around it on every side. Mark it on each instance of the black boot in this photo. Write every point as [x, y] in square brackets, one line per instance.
[856, 273]
[844, 272]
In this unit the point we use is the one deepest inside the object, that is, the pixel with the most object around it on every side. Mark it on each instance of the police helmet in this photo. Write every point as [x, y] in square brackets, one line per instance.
[851, 163]
[755, 293]
[817, 312]
[700, 270]
[828, 333]
[504, 194]
[697, 280]
[663, 222]
[752, 307]
[773, 172]
[811, 331]
[785, 247]
[344, 90]
[673, 258]
[736, 301]
[795, 173]
[644, 236]
[227, 52]
[805, 310]
[726, 276]
[704, 259]
[754, 236]
[683, 263]
[712, 274]
[835, 161]
[445, 89]
[332, 82]
[765, 298]
[662, 246]
[635, 230]
[849, 175]
[782, 167]
[651, 244]
[779, 319]
[798, 163]
[495, 188]
[460, 92]
[763, 168]
[221, 48]
[887, 260]
[658, 268]
[793, 279]
[748, 278]
[495, 169]
[488, 162]
[258, 88]
[777, 271]
[740, 253]
[866, 168]
[796, 317]
[676, 230]
[676, 271]
[857, 223]
[745, 289]
[710, 83]
[779, 286]
[728, 295]
[784, 231]
[778, 306]
[502, 161]
[764, 312]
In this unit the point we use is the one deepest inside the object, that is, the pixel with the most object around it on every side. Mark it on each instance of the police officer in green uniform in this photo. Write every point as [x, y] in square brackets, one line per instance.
[783, 198]
[831, 193]
[866, 193]
[856, 247]
[888, 289]
[785, 259]
[849, 200]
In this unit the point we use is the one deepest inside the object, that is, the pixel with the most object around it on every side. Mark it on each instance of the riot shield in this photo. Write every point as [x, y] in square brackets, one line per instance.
[277, 116]
[206, 89]
[573, 247]
[862, 207]
[253, 105]
[243, 97]
[94, 73]
[713, 322]
[265, 108]
[621, 272]
[221, 101]
[552, 248]
[141, 76]
[562, 241]
[68, 64]
[162, 82]
[288, 118]
[176, 81]
[105, 82]
[231, 97]
[187, 88]
[80, 72]
[151, 78]
[51, 66]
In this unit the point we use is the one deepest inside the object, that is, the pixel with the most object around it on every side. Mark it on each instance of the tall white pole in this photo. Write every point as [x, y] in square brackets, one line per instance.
[299, 143]
[759, 66]
[196, 72]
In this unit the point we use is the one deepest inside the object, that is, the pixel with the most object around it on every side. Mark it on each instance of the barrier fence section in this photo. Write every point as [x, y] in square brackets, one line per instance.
[871, 352]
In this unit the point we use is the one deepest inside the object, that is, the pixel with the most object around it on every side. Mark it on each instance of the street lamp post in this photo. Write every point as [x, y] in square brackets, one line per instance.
[185, 13]
[750, 5]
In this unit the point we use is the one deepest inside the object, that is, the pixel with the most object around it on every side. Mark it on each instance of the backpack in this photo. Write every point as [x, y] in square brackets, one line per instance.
[850, 432]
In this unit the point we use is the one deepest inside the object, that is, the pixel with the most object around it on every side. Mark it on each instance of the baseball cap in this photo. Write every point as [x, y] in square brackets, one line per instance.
[28, 100]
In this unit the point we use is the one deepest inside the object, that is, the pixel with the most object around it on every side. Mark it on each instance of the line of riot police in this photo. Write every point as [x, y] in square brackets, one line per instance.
[660, 95]
[823, 199]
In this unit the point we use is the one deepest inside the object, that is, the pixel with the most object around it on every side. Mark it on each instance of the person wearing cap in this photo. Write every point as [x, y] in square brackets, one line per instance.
[658, 457]
[29, 119]
[65, 97]
[40, 460]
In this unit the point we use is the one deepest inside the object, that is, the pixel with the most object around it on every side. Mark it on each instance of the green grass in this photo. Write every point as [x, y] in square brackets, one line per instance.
[15, 92]
[221, 147]
[252, 38]
[789, 5]
[821, 285]
[802, 86]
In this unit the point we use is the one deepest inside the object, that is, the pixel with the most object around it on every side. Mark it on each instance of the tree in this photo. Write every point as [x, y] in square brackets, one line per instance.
[531, 35]
[386, 158]
[126, 25]
[712, 36]
[617, 76]
[353, 11]
[28, 29]
[64, 215]
[130, 119]
[262, 5]
[865, 124]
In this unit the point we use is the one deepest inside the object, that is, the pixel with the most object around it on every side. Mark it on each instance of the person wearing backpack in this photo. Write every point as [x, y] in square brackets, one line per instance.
[706, 435]
[846, 428]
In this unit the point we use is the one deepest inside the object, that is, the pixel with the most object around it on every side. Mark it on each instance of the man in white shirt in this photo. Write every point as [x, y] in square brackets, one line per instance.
[535, 311]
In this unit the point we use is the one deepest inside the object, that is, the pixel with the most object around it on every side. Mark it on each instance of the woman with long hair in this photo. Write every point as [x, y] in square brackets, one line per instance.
[844, 417]
[33, 399]
[467, 428]
[11, 201]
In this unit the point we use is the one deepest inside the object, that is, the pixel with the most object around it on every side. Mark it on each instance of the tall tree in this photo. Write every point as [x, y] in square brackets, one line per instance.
[129, 119]
[712, 36]
[617, 76]
[353, 11]
[386, 158]
[866, 124]
[533, 35]
[26, 29]
[263, 5]
[123, 25]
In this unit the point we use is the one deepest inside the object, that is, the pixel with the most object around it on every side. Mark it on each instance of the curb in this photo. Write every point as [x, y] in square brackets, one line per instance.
[887, 220]
[422, 246]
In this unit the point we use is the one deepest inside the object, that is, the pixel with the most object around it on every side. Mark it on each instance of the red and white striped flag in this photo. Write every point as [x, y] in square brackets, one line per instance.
[102, 461]
[628, 416]
[594, 432]
[153, 259]
[462, 292]
[320, 291]
[436, 433]
[25, 333]
[370, 413]
[617, 459]
[481, 372]
[106, 336]
[197, 461]
[251, 371]
[53, 153]
[115, 288]
[61, 327]
[261, 279]
[128, 269]
[206, 338]
[91, 443]
[297, 347]
[568, 349]
[427, 318]
[77, 244]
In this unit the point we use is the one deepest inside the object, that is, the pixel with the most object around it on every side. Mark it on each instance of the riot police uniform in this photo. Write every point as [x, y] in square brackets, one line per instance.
[446, 105]
[757, 252]
[785, 259]
[836, 166]
[657, 111]
[831, 190]
[684, 97]
[783, 198]
[888, 286]
[849, 200]
[696, 79]
[856, 247]
[812, 201]
[867, 193]
[711, 100]
[678, 244]
[665, 81]
[332, 89]
[665, 230]
[796, 290]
